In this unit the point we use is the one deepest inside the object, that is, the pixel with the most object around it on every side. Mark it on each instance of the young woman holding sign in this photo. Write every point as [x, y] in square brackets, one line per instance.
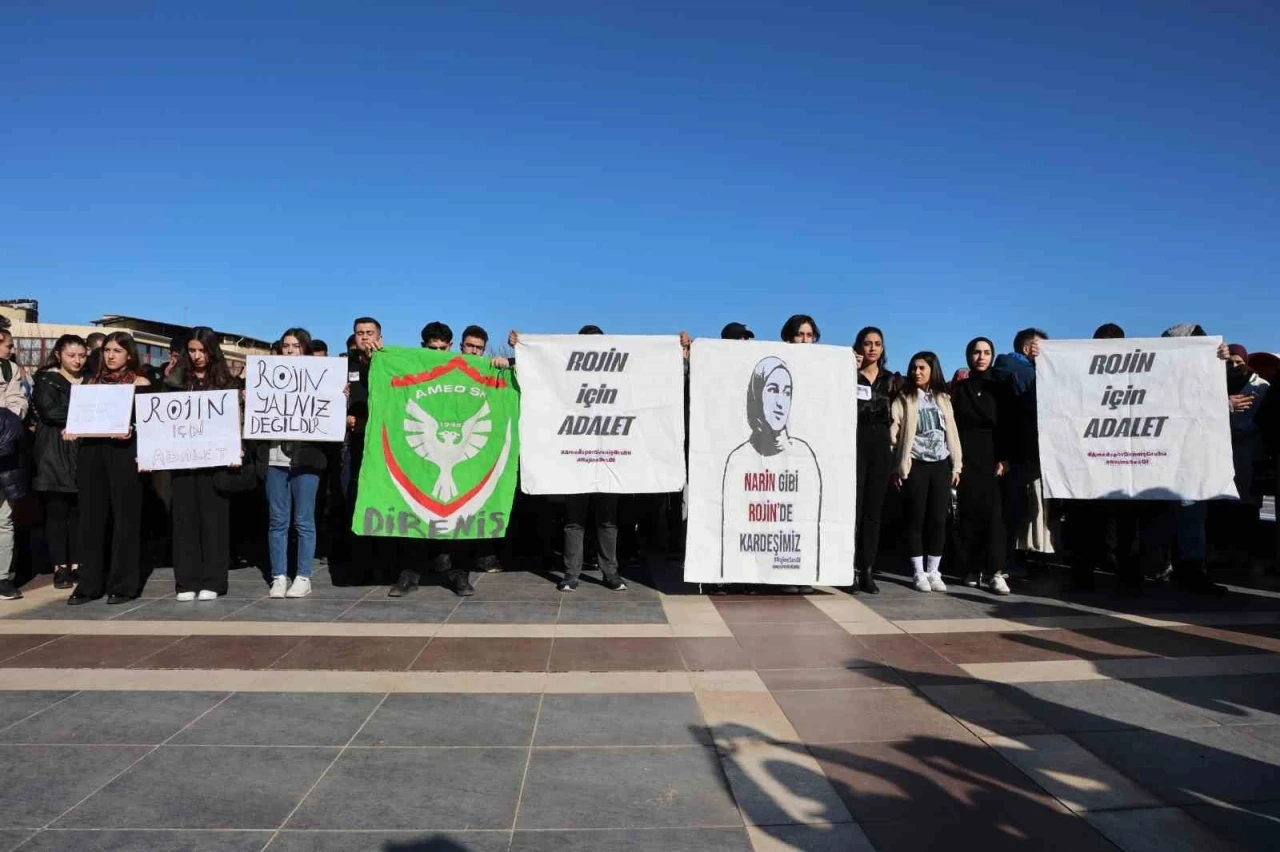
[201, 512]
[110, 490]
[55, 457]
[294, 469]
[928, 456]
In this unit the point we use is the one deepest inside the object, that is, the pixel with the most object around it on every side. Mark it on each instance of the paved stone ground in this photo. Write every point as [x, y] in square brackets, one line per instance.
[655, 719]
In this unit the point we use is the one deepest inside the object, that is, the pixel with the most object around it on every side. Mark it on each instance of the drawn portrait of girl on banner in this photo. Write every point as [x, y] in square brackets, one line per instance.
[772, 506]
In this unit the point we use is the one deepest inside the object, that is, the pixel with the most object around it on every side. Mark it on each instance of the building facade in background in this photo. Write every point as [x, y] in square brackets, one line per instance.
[34, 340]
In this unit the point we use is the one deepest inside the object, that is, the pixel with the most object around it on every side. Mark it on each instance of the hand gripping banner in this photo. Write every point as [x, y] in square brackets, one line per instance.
[441, 447]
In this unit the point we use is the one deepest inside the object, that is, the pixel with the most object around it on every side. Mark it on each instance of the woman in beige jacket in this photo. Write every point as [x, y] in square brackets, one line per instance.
[926, 447]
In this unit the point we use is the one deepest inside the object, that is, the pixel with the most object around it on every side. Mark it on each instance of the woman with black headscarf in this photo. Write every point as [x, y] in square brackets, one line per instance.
[979, 526]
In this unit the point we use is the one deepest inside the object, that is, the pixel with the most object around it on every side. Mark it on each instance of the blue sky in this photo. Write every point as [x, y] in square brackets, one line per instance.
[939, 170]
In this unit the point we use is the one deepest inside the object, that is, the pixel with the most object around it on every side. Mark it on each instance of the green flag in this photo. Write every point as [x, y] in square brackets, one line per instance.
[441, 447]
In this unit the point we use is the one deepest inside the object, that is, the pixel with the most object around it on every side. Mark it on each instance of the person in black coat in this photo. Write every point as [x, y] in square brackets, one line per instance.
[13, 488]
[977, 402]
[876, 387]
[56, 458]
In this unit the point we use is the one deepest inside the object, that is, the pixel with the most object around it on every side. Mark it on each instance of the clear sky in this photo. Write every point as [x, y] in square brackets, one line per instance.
[940, 170]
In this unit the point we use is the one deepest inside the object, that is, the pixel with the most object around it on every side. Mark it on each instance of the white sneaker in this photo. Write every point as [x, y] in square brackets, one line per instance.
[186, 596]
[998, 586]
[300, 589]
[922, 583]
[935, 582]
[971, 580]
[279, 585]
[207, 595]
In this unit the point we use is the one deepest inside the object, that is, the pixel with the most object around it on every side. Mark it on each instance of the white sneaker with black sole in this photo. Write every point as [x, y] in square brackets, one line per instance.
[922, 583]
[935, 582]
[997, 585]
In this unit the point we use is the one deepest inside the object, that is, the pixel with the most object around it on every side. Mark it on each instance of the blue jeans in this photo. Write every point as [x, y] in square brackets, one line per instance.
[284, 487]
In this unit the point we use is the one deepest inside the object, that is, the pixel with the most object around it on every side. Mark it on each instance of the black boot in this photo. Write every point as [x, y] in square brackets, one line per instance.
[407, 583]
[62, 578]
[1191, 576]
[867, 581]
[460, 582]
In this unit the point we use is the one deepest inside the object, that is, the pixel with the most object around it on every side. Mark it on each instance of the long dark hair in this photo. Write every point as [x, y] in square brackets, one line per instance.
[54, 360]
[217, 374]
[792, 327]
[937, 384]
[884, 351]
[132, 367]
[302, 336]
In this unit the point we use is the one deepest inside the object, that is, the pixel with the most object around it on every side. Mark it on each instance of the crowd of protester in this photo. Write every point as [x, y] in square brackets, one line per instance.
[951, 466]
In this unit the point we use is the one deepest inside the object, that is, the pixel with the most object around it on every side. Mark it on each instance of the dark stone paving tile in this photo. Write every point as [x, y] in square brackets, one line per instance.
[9, 839]
[615, 720]
[1193, 764]
[391, 841]
[114, 718]
[982, 708]
[282, 719]
[446, 719]
[13, 644]
[453, 654]
[1227, 700]
[708, 654]
[916, 662]
[92, 652]
[615, 655]
[860, 715]
[148, 841]
[751, 629]
[626, 788]
[322, 588]
[591, 588]
[830, 678]
[353, 653]
[415, 789]
[1166, 643]
[168, 609]
[506, 612]
[1032, 646]
[800, 652]
[609, 612]
[776, 610]
[429, 592]
[39, 782]
[1048, 830]
[1102, 705]
[402, 611]
[306, 609]
[931, 605]
[93, 611]
[518, 587]
[636, 840]
[198, 787]
[1156, 830]
[1252, 828]
[18, 705]
[222, 652]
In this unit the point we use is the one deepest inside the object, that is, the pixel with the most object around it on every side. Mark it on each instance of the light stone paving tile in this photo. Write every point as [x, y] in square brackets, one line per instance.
[738, 719]
[1072, 774]
[33, 599]
[696, 630]
[809, 838]
[226, 628]
[843, 608]
[497, 631]
[1004, 625]
[727, 681]
[869, 628]
[613, 631]
[781, 785]
[1146, 667]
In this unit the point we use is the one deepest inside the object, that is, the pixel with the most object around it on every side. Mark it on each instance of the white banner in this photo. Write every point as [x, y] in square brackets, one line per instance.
[99, 410]
[600, 413]
[772, 437]
[192, 429]
[1139, 419]
[295, 398]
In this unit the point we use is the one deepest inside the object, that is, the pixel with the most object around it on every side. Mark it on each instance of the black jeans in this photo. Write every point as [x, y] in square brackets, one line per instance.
[201, 532]
[62, 526]
[927, 493]
[605, 509]
[979, 523]
[110, 511]
[875, 469]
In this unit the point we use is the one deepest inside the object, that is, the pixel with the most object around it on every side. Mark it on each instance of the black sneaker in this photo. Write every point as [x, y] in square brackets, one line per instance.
[8, 591]
[567, 585]
[407, 583]
[615, 584]
[867, 582]
[461, 583]
[62, 578]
